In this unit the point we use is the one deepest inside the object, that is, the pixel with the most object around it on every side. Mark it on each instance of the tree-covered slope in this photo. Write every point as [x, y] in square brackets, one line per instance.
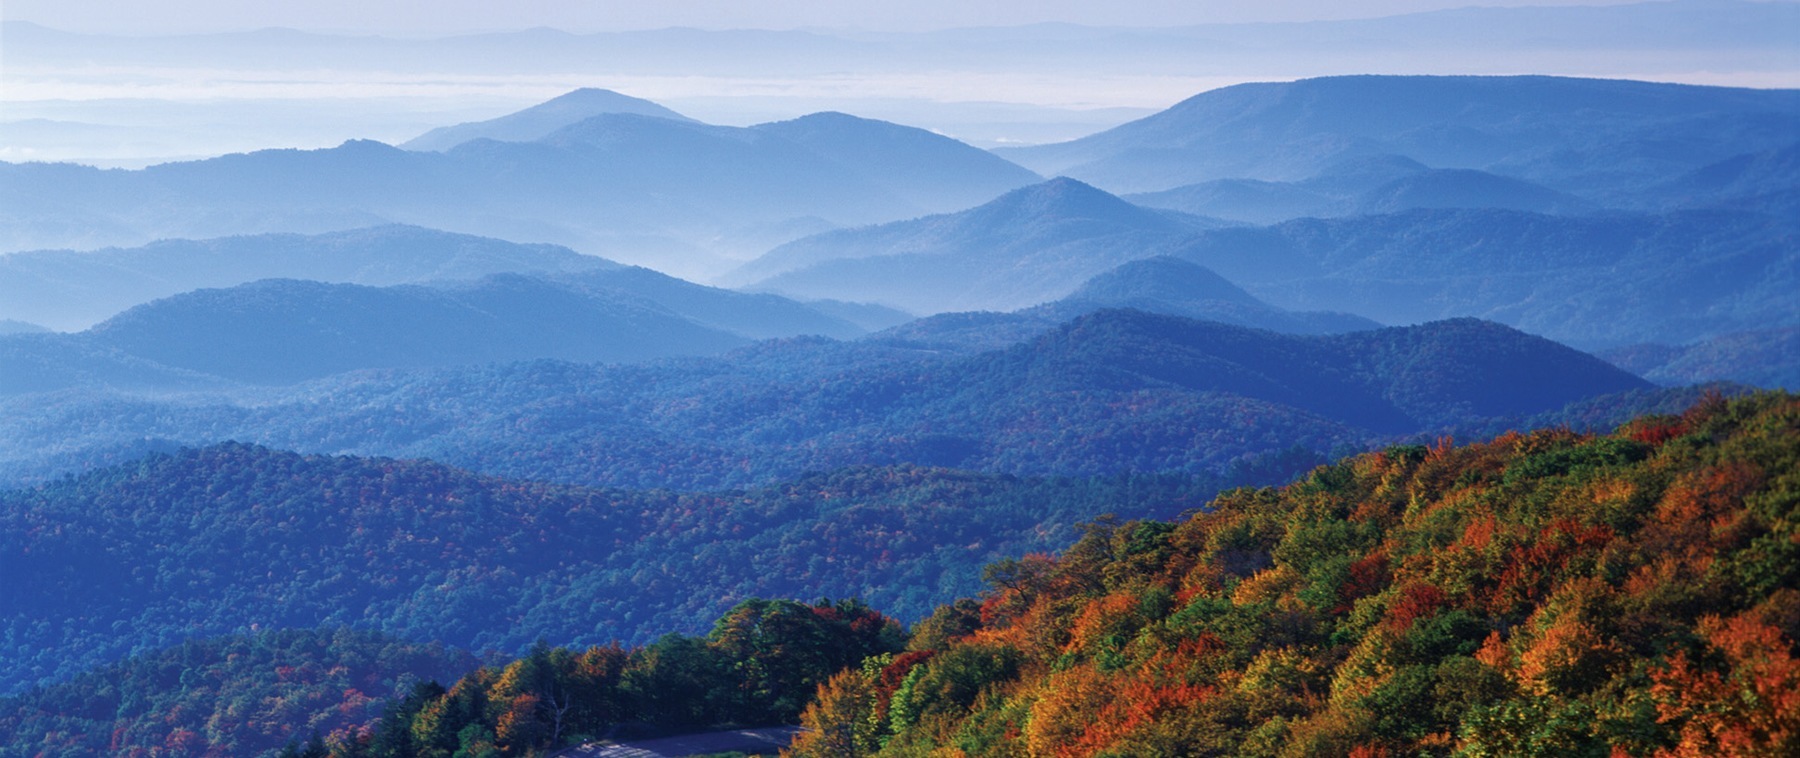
[231, 538]
[1546, 593]
[237, 695]
[1759, 357]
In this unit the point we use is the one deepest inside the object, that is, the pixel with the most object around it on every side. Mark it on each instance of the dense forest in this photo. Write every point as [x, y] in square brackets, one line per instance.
[234, 695]
[225, 539]
[1545, 593]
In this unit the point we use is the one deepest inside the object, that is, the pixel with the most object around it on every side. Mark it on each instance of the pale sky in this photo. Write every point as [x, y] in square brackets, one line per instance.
[433, 17]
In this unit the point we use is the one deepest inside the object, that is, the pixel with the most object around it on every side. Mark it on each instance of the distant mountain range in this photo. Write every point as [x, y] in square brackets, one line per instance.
[1668, 41]
[1597, 280]
[1168, 286]
[69, 290]
[671, 192]
[1028, 246]
[1592, 138]
[1336, 193]
[283, 330]
[1593, 281]
[1107, 392]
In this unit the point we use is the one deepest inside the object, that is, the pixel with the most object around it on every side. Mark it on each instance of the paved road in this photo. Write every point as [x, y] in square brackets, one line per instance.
[746, 740]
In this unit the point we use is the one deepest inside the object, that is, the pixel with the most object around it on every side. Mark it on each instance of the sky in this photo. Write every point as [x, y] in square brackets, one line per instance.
[434, 17]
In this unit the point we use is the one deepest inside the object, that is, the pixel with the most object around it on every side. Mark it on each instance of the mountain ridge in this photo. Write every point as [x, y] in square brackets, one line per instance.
[540, 120]
[1288, 131]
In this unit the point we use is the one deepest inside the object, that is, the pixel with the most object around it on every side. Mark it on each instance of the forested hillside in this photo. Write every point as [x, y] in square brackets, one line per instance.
[237, 695]
[1545, 593]
[1109, 392]
[234, 537]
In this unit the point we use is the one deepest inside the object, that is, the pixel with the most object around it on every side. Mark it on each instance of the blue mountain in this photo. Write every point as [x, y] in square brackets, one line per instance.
[1589, 137]
[540, 120]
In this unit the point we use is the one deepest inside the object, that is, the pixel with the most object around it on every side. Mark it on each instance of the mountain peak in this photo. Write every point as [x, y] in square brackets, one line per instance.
[543, 119]
[593, 101]
[1162, 278]
[1066, 198]
[1060, 191]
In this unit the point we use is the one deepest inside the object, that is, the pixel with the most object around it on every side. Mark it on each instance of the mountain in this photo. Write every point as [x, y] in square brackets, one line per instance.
[1175, 287]
[36, 363]
[13, 326]
[1026, 247]
[1163, 285]
[1589, 137]
[1598, 279]
[540, 120]
[677, 195]
[1594, 281]
[1110, 392]
[72, 290]
[1764, 180]
[1386, 380]
[1466, 188]
[1763, 358]
[283, 330]
[1248, 200]
[928, 170]
[1363, 186]
[752, 315]
[1418, 600]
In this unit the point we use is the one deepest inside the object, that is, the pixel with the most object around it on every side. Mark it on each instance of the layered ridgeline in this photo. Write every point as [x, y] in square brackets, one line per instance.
[647, 189]
[284, 330]
[1362, 186]
[234, 538]
[1592, 138]
[1547, 592]
[1674, 276]
[281, 331]
[71, 290]
[1026, 247]
[1163, 285]
[1108, 392]
[448, 300]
